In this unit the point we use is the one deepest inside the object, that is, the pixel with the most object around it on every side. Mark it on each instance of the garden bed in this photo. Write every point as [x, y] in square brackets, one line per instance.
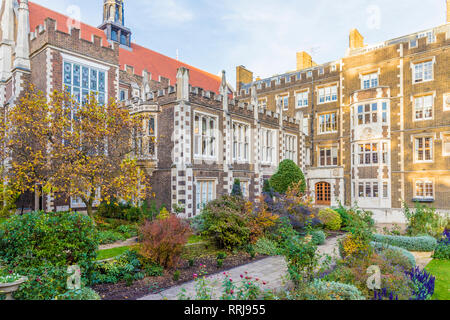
[153, 285]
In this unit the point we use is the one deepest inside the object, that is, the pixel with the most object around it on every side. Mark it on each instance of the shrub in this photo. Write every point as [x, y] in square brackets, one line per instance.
[162, 241]
[266, 247]
[353, 270]
[110, 236]
[398, 257]
[353, 245]
[424, 243]
[224, 223]
[58, 239]
[236, 191]
[348, 216]
[259, 220]
[79, 294]
[163, 214]
[331, 219]
[176, 275]
[45, 281]
[360, 232]
[323, 290]
[424, 220]
[294, 206]
[301, 260]
[288, 173]
[128, 231]
[125, 267]
[318, 237]
[442, 251]
[380, 247]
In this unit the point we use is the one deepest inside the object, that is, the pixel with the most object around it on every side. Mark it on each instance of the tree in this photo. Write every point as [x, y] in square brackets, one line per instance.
[287, 174]
[75, 150]
[236, 191]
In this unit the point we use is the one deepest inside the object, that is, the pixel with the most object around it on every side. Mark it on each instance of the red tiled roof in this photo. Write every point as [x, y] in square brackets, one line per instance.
[139, 58]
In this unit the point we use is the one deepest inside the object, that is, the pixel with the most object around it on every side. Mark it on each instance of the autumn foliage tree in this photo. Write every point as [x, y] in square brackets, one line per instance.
[74, 149]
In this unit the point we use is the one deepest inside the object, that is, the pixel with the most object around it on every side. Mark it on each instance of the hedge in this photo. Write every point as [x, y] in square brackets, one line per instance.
[378, 246]
[422, 243]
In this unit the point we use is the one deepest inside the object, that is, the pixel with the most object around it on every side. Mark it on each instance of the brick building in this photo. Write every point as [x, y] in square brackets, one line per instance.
[372, 127]
[197, 139]
[375, 123]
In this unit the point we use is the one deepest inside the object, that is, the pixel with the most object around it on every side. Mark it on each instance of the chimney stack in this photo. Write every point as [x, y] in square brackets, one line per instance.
[448, 11]
[243, 76]
[356, 39]
[304, 61]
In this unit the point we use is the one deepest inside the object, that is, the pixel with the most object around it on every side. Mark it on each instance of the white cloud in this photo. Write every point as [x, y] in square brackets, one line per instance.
[165, 12]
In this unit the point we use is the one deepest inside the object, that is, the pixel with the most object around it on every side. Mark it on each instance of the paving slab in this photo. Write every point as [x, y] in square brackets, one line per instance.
[272, 270]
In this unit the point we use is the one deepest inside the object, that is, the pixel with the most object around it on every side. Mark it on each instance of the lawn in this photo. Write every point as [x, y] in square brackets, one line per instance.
[111, 253]
[196, 239]
[441, 270]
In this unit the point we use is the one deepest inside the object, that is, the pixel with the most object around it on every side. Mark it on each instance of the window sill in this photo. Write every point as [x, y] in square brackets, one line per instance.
[425, 81]
[423, 200]
[327, 102]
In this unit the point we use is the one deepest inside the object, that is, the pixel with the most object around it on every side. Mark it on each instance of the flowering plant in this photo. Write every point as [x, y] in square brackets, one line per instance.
[10, 278]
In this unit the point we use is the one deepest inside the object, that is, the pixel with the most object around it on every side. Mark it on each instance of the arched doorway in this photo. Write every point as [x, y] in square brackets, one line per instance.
[323, 194]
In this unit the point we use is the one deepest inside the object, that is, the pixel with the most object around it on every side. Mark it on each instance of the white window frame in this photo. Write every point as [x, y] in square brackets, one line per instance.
[364, 113]
[426, 183]
[446, 107]
[262, 103]
[205, 192]
[327, 94]
[284, 98]
[333, 155]
[415, 72]
[291, 143]
[245, 188]
[210, 134]
[268, 146]
[241, 141]
[301, 99]
[422, 104]
[371, 184]
[443, 138]
[371, 79]
[324, 125]
[363, 152]
[416, 149]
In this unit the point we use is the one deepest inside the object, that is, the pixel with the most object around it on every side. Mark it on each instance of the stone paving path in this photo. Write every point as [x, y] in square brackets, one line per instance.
[119, 244]
[272, 270]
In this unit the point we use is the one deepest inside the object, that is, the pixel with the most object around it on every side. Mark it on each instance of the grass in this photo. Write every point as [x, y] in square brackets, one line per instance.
[441, 270]
[111, 253]
[195, 239]
[2, 220]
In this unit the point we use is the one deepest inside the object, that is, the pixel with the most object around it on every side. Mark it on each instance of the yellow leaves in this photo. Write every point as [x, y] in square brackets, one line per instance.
[71, 154]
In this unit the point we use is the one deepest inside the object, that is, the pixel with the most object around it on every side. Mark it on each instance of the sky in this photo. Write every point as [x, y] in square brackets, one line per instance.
[262, 35]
